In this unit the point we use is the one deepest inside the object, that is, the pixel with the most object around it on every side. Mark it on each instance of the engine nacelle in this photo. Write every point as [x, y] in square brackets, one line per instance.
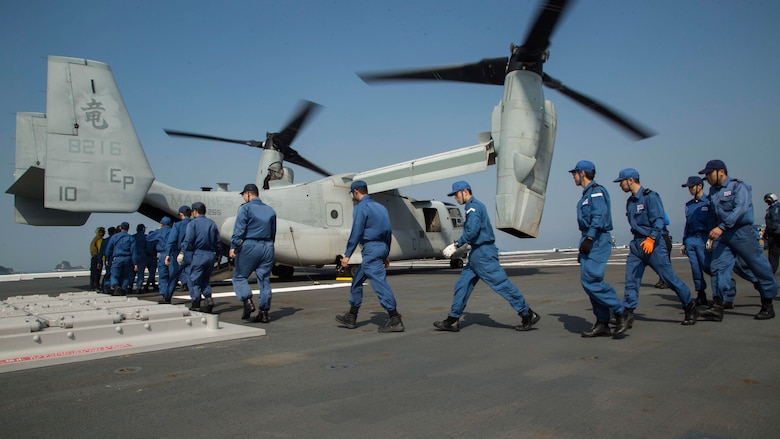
[523, 129]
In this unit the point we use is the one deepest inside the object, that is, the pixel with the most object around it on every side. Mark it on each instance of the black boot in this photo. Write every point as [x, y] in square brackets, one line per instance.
[349, 319]
[263, 317]
[600, 329]
[249, 308]
[195, 305]
[449, 324]
[528, 321]
[767, 310]
[209, 305]
[621, 323]
[629, 312]
[394, 324]
[701, 299]
[690, 314]
[715, 311]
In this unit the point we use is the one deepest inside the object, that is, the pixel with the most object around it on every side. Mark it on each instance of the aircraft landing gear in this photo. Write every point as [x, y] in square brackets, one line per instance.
[456, 263]
[283, 271]
[346, 272]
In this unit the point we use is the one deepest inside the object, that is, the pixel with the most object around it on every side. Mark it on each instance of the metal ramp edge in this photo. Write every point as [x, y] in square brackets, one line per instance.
[38, 331]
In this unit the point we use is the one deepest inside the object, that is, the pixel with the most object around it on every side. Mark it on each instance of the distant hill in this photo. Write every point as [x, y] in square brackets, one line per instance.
[65, 266]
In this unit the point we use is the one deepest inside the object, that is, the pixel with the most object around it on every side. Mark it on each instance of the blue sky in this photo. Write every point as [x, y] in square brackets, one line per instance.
[701, 73]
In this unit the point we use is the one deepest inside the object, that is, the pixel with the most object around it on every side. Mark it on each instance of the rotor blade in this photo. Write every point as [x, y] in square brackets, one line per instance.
[292, 156]
[252, 143]
[538, 38]
[487, 71]
[286, 137]
[612, 115]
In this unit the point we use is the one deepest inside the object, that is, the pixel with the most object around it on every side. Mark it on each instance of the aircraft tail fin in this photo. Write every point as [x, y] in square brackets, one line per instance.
[93, 159]
[29, 173]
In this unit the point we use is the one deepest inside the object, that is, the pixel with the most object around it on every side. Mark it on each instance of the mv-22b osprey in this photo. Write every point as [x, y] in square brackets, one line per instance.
[84, 156]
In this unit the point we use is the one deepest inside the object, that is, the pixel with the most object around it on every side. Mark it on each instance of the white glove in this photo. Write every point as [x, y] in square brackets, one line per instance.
[449, 250]
[180, 258]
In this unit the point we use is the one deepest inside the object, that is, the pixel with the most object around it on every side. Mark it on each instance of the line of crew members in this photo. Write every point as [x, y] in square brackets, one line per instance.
[719, 238]
[127, 258]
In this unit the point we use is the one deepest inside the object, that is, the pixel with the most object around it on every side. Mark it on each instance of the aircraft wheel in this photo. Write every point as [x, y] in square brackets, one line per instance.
[353, 270]
[456, 263]
[283, 271]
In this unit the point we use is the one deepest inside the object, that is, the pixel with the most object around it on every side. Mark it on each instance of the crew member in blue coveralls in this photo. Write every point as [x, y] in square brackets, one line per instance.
[160, 239]
[772, 230]
[482, 264]
[201, 245]
[594, 218]
[252, 247]
[371, 229]
[645, 213]
[121, 247]
[698, 224]
[175, 270]
[140, 256]
[731, 202]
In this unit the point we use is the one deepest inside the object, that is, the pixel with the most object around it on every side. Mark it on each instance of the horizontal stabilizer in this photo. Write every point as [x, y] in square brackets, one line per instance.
[449, 164]
[28, 203]
[31, 211]
[29, 184]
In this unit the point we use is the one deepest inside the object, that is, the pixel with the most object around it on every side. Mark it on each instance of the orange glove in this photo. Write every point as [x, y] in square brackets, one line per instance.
[648, 245]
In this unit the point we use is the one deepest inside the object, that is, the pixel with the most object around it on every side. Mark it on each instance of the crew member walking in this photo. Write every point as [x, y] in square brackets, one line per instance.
[733, 235]
[252, 247]
[645, 213]
[698, 223]
[121, 249]
[199, 248]
[371, 229]
[483, 264]
[594, 218]
[772, 230]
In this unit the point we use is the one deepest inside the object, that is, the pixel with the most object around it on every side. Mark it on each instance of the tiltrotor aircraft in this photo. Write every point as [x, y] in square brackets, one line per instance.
[84, 156]
[523, 124]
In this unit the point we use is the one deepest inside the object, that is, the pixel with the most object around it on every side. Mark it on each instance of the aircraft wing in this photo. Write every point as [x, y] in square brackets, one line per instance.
[448, 164]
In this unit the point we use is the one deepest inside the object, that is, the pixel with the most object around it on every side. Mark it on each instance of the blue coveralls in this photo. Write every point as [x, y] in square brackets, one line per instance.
[160, 239]
[172, 248]
[645, 213]
[121, 247]
[371, 229]
[201, 242]
[698, 223]
[594, 217]
[772, 235]
[732, 208]
[141, 258]
[482, 262]
[253, 240]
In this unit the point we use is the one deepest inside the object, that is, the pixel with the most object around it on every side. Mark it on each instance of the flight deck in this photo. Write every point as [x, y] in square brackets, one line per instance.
[307, 377]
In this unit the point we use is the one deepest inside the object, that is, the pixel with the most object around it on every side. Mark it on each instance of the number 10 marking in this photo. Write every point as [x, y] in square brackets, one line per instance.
[68, 193]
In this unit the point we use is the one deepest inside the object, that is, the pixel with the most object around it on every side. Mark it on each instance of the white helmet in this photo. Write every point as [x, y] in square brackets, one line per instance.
[770, 198]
